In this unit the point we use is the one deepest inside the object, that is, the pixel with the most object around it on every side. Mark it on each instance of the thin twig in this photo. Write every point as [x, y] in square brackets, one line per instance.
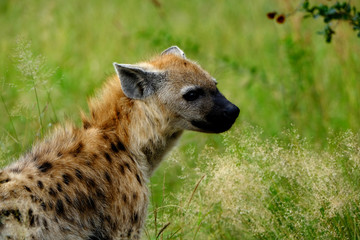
[163, 189]
[162, 229]
[155, 209]
[156, 3]
[175, 233]
[52, 107]
[192, 195]
[11, 136]
[38, 105]
[197, 229]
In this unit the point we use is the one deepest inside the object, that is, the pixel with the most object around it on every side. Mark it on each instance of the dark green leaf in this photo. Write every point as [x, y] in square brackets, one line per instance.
[306, 5]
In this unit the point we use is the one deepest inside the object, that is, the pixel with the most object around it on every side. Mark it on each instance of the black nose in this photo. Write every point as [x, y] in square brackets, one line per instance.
[231, 112]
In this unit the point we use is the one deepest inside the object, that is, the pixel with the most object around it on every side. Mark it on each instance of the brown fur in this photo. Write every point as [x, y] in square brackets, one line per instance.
[90, 182]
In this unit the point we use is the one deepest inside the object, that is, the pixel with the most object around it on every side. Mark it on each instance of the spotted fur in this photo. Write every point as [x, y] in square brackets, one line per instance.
[90, 182]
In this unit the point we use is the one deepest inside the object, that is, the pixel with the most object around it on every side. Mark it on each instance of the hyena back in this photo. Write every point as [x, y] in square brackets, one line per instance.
[90, 182]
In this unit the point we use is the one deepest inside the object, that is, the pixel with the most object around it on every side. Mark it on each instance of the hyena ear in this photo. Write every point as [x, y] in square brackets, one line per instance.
[174, 50]
[136, 82]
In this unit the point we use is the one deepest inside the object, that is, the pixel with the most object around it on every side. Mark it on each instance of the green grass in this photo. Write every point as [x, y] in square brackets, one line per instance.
[265, 189]
[276, 183]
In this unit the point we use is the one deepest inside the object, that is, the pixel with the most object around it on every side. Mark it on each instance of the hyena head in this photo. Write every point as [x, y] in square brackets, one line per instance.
[187, 91]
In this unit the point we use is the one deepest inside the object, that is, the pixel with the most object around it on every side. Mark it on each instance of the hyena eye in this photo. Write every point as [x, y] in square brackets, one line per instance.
[192, 95]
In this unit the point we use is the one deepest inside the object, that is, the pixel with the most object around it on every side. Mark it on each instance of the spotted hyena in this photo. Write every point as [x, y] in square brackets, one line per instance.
[90, 182]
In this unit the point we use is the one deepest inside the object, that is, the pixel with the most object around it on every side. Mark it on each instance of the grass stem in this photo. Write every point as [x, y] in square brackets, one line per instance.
[38, 107]
[11, 121]
[193, 192]
[162, 229]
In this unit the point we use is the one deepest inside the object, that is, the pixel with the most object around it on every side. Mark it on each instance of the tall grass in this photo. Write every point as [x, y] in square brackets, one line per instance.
[30, 114]
[266, 189]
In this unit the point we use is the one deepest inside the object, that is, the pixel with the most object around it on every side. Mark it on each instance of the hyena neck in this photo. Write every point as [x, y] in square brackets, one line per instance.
[150, 133]
[142, 126]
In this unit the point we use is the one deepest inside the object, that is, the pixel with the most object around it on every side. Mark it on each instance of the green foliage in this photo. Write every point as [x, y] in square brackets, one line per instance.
[336, 12]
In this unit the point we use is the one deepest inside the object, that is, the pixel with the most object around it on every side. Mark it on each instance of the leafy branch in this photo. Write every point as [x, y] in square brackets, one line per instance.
[336, 12]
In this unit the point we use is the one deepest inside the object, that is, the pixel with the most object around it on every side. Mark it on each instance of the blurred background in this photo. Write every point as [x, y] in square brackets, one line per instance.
[56, 54]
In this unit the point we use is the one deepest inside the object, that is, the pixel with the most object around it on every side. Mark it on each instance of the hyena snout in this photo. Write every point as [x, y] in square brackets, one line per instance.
[231, 112]
[221, 116]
